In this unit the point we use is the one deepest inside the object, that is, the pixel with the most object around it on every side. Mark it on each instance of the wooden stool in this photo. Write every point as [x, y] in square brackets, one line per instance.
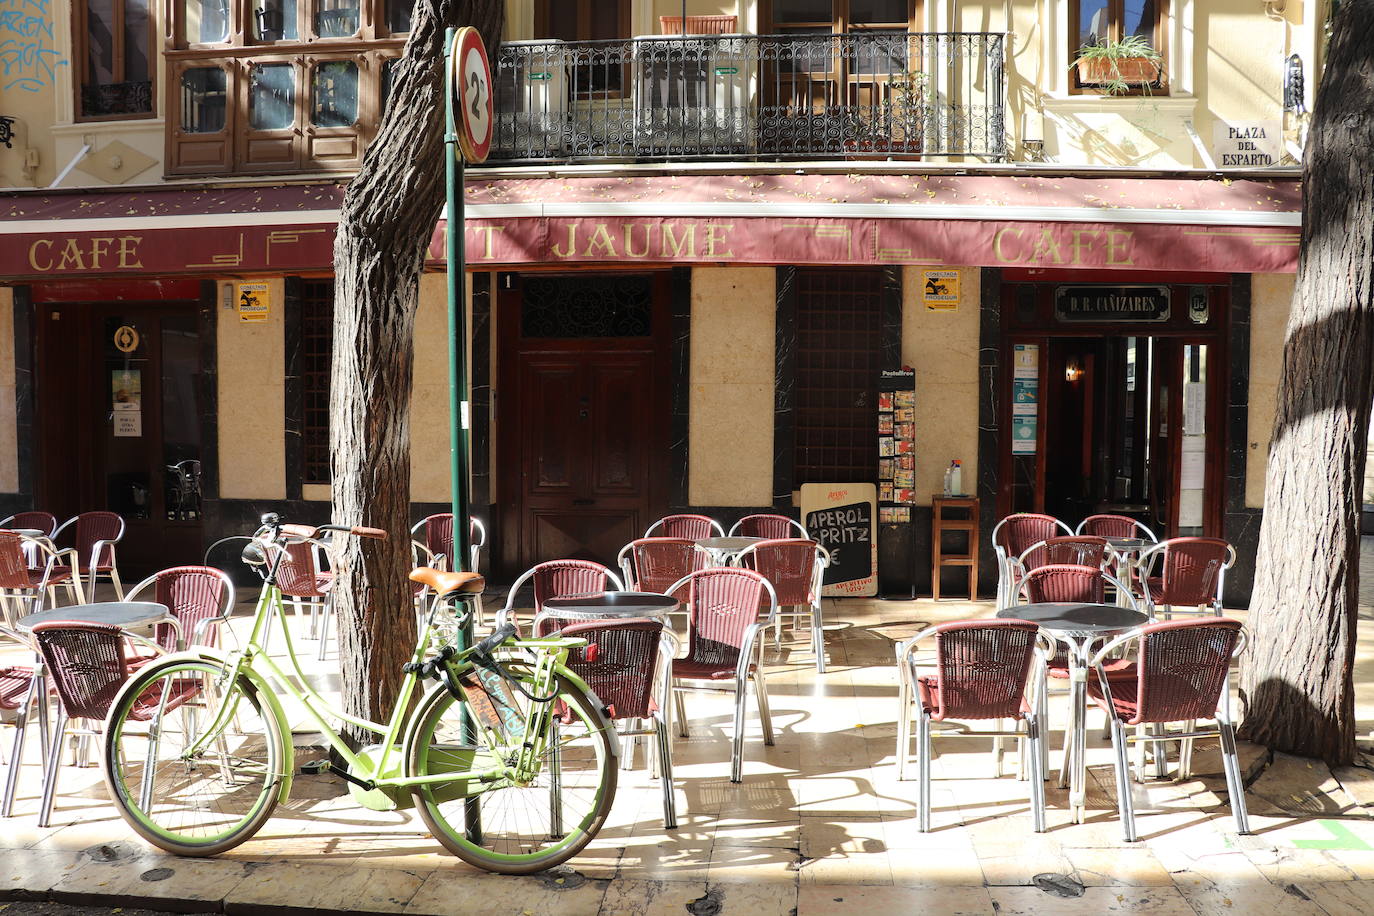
[967, 507]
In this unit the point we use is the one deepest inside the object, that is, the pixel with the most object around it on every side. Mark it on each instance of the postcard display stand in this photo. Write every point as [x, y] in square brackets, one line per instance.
[896, 483]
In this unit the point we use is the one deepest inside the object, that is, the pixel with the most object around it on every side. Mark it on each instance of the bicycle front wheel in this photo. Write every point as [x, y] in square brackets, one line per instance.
[505, 826]
[187, 791]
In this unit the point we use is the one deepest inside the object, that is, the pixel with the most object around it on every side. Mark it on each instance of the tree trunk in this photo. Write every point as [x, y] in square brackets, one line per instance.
[1296, 680]
[389, 214]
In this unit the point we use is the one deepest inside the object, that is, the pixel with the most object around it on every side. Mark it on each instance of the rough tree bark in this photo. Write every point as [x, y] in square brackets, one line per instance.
[1296, 678]
[389, 214]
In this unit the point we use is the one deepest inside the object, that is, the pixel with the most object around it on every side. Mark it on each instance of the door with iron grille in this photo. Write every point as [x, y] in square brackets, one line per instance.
[582, 414]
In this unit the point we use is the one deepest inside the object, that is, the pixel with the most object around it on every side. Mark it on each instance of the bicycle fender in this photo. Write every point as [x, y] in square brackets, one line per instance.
[205, 653]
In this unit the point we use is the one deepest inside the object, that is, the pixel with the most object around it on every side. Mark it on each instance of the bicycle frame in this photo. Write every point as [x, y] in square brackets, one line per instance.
[382, 773]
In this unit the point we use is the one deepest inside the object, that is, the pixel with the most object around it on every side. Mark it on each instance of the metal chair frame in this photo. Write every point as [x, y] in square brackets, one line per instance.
[791, 523]
[1161, 550]
[750, 656]
[97, 548]
[507, 614]
[18, 717]
[1032, 756]
[1005, 571]
[812, 609]
[48, 530]
[438, 559]
[1225, 729]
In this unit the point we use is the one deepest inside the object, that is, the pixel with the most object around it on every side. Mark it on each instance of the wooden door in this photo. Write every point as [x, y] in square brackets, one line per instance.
[119, 425]
[583, 424]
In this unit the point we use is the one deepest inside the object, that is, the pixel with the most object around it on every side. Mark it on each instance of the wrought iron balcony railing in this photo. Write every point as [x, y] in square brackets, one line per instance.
[881, 94]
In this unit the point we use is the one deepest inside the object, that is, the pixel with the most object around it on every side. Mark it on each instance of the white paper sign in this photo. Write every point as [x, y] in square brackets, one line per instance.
[1247, 144]
[128, 423]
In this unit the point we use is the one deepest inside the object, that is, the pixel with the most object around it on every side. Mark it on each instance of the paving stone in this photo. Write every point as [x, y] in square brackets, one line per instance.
[850, 900]
[1155, 901]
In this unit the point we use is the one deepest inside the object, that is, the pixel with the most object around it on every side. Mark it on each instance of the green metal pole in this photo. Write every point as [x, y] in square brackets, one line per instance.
[457, 324]
[457, 382]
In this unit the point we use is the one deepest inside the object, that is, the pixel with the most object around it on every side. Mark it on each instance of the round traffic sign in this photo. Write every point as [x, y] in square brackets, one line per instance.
[471, 80]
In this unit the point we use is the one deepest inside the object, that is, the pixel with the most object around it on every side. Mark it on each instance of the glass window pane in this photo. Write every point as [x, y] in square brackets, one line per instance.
[100, 40]
[334, 94]
[398, 15]
[802, 11]
[336, 18]
[271, 97]
[1140, 19]
[1093, 22]
[136, 36]
[275, 20]
[605, 21]
[181, 416]
[202, 100]
[862, 11]
[206, 20]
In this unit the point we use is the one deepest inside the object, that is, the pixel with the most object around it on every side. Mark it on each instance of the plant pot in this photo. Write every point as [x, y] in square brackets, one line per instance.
[1136, 71]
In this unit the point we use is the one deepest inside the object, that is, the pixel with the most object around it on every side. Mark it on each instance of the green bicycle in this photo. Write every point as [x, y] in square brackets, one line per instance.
[509, 760]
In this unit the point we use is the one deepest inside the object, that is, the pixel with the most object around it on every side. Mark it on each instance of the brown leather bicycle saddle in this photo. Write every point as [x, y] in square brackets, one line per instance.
[448, 583]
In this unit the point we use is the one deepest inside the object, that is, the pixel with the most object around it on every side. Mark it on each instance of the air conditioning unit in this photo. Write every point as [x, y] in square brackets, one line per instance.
[696, 94]
[532, 110]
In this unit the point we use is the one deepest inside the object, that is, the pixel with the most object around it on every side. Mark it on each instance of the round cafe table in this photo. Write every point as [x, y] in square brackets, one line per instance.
[1079, 628]
[609, 605]
[131, 615]
[722, 550]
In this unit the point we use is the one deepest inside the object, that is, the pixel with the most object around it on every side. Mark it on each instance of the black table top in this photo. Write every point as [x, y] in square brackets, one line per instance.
[1077, 618]
[110, 613]
[613, 604]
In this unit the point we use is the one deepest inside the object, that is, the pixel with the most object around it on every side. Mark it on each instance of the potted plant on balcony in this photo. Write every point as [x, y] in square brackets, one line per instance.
[892, 126]
[1116, 66]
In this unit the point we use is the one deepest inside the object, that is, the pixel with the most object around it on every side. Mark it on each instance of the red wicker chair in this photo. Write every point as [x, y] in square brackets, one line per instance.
[769, 526]
[96, 535]
[559, 579]
[1187, 573]
[1181, 674]
[33, 520]
[1076, 550]
[654, 564]
[199, 597]
[982, 671]
[88, 664]
[22, 586]
[691, 527]
[1011, 538]
[795, 567]
[1115, 526]
[722, 643]
[18, 693]
[628, 664]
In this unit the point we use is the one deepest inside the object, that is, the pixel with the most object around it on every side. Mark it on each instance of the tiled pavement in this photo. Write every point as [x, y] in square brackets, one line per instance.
[820, 825]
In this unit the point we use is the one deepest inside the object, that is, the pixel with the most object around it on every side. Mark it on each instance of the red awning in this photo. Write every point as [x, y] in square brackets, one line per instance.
[1020, 220]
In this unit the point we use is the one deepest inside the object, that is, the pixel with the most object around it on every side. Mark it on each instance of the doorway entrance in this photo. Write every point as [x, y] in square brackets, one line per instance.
[1115, 401]
[118, 406]
[582, 426]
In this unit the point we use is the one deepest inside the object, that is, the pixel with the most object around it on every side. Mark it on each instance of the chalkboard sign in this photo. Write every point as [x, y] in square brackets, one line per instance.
[840, 517]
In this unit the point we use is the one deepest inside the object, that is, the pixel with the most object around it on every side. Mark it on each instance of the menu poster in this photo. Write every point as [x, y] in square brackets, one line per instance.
[1025, 398]
[843, 519]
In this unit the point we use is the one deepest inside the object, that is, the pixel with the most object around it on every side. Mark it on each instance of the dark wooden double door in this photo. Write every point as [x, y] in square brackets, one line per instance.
[118, 423]
[582, 414]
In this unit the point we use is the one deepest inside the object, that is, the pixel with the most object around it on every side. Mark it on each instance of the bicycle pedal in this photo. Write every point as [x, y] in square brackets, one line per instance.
[315, 768]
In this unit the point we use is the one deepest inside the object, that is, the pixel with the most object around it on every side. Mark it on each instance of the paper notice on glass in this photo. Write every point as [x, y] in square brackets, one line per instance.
[1193, 473]
[1025, 396]
[1194, 408]
[1026, 361]
[128, 423]
[1023, 435]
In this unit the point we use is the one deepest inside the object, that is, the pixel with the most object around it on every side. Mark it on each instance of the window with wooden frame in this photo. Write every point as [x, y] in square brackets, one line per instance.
[1107, 22]
[839, 16]
[600, 71]
[317, 349]
[277, 85]
[838, 359]
[113, 42]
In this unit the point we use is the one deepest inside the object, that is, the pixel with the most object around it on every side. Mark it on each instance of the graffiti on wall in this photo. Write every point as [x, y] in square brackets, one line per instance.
[28, 56]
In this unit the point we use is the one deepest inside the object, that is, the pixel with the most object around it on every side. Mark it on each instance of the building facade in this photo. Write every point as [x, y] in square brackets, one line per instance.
[691, 258]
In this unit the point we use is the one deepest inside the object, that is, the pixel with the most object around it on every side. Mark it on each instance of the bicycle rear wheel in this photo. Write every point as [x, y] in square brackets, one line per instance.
[201, 802]
[523, 828]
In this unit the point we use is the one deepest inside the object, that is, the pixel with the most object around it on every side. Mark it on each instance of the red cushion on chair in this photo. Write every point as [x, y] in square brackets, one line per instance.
[1115, 667]
[14, 686]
